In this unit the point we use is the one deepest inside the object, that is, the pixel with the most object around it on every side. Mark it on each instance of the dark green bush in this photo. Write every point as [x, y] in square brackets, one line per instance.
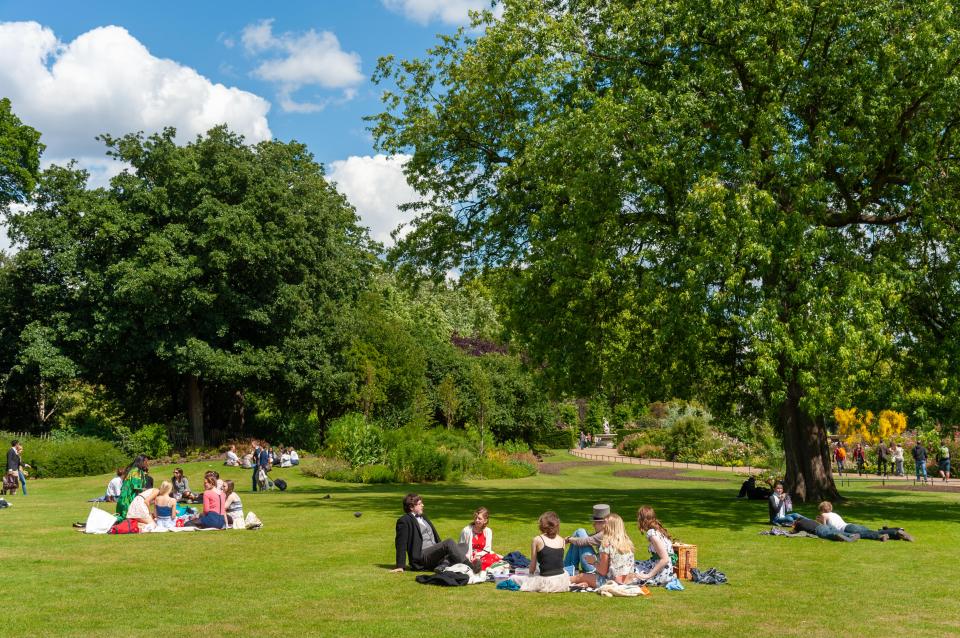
[412, 461]
[688, 437]
[552, 438]
[150, 440]
[72, 456]
[348, 475]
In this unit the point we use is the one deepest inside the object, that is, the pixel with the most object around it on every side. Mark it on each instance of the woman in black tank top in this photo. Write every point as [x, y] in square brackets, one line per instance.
[545, 553]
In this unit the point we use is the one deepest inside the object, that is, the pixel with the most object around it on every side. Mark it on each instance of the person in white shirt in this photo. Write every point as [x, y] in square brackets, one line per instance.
[232, 458]
[831, 518]
[897, 450]
[113, 489]
[285, 459]
[294, 457]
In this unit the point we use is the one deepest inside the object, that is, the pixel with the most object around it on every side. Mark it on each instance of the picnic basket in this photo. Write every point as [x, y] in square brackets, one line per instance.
[686, 559]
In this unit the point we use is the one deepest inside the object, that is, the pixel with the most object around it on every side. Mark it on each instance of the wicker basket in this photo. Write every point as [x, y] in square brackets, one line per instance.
[686, 559]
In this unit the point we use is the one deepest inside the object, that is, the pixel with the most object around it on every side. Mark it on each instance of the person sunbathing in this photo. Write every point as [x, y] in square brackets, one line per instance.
[831, 518]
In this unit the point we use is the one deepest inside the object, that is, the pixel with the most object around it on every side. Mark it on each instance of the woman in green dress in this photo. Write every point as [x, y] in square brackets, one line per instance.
[134, 482]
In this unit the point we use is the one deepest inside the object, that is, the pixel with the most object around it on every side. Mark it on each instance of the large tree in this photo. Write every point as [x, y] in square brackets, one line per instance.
[210, 265]
[720, 199]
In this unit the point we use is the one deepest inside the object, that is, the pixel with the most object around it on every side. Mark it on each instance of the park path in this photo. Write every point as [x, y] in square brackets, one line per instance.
[610, 455]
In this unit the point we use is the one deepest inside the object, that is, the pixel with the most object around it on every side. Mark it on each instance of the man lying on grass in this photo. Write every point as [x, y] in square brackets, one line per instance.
[831, 518]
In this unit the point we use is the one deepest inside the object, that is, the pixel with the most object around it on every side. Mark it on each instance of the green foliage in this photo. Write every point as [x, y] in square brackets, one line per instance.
[356, 440]
[376, 474]
[688, 438]
[658, 233]
[20, 150]
[413, 462]
[150, 440]
[622, 415]
[71, 456]
[321, 466]
[554, 438]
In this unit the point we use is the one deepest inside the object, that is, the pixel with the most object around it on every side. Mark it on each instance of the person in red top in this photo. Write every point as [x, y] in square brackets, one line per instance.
[859, 458]
[477, 536]
[840, 454]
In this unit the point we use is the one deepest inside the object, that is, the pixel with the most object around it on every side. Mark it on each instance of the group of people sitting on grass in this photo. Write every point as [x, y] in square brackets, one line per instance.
[262, 451]
[165, 507]
[828, 524]
[590, 560]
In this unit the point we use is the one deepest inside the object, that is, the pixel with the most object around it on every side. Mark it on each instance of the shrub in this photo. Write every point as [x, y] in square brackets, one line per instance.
[347, 475]
[71, 456]
[688, 438]
[551, 438]
[320, 466]
[376, 474]
[356, 440]
[413, 461]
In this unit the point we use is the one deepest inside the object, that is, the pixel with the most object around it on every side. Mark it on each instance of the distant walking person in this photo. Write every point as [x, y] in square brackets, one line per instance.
[897, 452]
[10, 479]
[256, 462]
[943, 461]
[920, 460]
[859, 458]
[21, 473]
[883, 457]
[840, 455]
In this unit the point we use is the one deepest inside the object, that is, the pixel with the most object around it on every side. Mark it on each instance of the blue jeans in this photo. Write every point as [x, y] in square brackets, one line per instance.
[865, 532]
[922, 469]
[830, 533]
[786, 519]
[576, 555]
[23, 482]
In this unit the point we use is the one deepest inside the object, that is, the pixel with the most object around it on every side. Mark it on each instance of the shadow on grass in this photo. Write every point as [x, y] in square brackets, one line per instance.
[707, 506]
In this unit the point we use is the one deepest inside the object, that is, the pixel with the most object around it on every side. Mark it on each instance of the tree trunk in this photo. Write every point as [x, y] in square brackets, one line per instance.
[240, 411]
[195, 408]
[807, 454]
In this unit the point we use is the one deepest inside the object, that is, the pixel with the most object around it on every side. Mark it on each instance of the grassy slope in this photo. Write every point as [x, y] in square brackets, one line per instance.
[315, 569]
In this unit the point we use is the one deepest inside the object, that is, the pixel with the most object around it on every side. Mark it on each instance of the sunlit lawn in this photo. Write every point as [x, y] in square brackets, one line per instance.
[316, 569]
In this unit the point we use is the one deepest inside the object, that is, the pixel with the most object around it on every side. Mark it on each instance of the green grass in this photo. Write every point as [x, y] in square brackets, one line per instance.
[316, 570]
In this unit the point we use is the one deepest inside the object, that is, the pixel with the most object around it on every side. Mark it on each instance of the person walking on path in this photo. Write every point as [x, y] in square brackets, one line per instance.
[883, 457]
[21, 472]
[943, 461]
[840, 455]
[920, 460]
[256, 461]
[897, 452]
[13, 466]
[859, 458]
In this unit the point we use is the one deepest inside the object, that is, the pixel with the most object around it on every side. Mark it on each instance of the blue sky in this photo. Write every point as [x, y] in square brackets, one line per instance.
[288, 70]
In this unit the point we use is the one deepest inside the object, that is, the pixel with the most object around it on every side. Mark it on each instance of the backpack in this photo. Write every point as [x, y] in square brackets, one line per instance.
[281, 484]
[126, 526]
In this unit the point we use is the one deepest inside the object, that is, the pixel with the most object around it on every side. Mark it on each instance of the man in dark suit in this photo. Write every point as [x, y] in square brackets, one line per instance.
[13, 467]
[418, 539]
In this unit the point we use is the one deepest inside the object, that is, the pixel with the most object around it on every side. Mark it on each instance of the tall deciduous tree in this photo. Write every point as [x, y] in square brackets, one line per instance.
[720, 199]
[212, 264]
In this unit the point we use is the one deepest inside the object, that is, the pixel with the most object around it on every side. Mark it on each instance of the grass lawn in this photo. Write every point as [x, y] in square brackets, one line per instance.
[316, 570]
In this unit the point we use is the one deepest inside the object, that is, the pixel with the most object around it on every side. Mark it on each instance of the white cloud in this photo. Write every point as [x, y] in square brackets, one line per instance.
[106, 81]
[376, 187]
[448, 11]
[307, 59]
